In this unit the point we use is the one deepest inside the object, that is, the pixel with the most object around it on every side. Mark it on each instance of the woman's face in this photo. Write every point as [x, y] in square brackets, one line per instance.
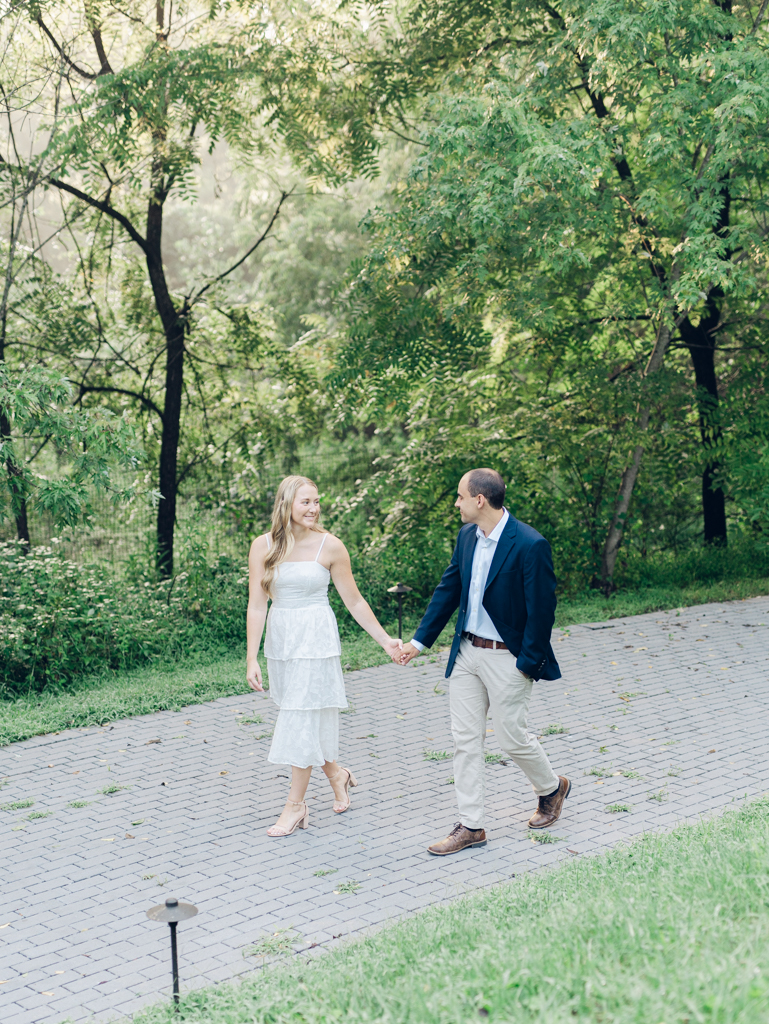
[306, 508]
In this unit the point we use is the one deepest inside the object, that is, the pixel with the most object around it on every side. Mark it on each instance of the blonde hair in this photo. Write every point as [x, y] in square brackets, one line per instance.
[281, 534]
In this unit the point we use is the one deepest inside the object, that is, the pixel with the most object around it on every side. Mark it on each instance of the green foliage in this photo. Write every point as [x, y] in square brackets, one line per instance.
[36, 405]
[436, 755]
[588, 174]
[673, 926]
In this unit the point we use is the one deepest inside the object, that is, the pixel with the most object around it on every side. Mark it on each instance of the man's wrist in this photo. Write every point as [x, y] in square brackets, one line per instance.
[415, 643]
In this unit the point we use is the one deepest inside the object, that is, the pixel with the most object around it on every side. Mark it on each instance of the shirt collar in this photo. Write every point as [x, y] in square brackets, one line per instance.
[496, 533]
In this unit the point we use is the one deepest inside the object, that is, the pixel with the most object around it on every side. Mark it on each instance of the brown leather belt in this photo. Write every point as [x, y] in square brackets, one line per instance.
[481, 641]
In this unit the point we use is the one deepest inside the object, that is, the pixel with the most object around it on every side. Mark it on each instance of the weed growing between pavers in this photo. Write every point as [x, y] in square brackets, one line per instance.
[279, 943]
[79, 803]
[618, 808]
[554, 729]
[545, 838]
[436, 755]
[16, 805]
[494, 759]
[347, 887]
[673, 927]
[322, 872]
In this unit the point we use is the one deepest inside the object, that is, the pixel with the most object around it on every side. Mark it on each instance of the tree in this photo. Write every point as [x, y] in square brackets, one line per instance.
[593, 174]
[145, 94]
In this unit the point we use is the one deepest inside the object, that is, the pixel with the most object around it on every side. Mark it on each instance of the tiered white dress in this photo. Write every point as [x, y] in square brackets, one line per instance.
[303, 662]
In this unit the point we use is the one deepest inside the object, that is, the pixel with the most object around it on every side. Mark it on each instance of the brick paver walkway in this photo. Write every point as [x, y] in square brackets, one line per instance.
[676, 701]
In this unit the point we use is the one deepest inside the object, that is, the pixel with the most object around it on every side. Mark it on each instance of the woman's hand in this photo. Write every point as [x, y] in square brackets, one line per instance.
[393, 648]
[254, 676]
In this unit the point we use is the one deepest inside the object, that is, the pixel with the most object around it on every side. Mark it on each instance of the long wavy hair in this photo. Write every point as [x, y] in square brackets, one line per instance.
[281, 534]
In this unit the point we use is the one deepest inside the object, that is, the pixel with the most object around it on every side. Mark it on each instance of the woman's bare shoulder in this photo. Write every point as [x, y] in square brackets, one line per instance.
[334, 545]
[259, 545]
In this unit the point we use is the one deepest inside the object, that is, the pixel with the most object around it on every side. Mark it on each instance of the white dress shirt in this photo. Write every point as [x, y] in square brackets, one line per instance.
[478, 620]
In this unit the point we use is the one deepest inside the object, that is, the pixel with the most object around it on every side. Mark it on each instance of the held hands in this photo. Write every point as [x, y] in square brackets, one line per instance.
[393, 647]
[254, 676]
[409, 652]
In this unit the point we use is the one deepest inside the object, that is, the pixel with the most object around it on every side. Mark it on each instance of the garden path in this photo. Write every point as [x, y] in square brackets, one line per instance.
[676, 700]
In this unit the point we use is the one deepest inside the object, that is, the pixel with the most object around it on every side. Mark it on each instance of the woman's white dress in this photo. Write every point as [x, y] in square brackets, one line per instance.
[303, 661]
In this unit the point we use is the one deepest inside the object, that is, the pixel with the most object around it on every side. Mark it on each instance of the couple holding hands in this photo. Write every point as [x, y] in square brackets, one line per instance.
[500, 578]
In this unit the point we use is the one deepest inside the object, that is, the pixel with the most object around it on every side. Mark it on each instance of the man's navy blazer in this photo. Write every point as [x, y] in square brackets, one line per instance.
[519, 597]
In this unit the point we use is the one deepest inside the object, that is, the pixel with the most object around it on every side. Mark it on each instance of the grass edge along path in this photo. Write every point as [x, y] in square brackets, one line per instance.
[143, 691]
[670, 929]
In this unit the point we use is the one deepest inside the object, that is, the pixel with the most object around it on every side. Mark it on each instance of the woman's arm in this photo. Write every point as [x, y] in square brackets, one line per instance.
[257, 611]
[341, 574]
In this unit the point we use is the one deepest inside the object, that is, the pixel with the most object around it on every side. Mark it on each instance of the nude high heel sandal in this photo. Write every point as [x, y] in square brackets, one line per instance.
[351, 781]
[302, 821]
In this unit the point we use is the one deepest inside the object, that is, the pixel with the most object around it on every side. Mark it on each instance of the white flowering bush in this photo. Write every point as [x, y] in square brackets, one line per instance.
[60, 621]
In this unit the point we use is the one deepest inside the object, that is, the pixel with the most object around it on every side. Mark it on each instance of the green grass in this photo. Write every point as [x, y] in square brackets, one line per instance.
[673, 928]
[436, 755]
[100, 700]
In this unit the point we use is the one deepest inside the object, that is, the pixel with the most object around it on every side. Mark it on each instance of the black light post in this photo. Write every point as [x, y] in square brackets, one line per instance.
[401, 590]
[173, 912]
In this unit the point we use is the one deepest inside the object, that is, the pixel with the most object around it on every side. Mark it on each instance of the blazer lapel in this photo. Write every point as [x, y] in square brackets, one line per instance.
[504, 545]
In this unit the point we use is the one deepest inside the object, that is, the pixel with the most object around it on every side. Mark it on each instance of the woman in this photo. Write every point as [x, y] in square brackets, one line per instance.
[292, 565]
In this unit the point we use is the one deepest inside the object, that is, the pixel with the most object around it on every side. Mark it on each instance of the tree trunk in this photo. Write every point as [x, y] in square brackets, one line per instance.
[173, 327]
[18, 502]
[701, 342]
[629, 477]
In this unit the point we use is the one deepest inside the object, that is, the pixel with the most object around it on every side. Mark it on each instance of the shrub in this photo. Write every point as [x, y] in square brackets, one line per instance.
[60, 621]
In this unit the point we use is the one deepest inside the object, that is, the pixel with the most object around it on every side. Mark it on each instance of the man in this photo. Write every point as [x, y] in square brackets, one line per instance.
[501, 578]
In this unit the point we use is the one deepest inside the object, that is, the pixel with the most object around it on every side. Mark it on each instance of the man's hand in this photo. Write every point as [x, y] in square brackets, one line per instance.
[409, 651]
[254, 676]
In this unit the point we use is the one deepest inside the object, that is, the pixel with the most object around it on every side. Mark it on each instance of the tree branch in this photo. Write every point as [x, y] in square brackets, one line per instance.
[190, 301]
[85, 388]
[88, 75]
[99, 204]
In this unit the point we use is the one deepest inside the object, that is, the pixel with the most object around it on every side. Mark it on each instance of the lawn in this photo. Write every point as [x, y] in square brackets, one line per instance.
[673, 929]
[170, 687]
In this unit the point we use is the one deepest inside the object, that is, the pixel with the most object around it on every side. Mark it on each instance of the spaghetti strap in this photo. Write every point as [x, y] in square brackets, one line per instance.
[267, 538]
[321, 546]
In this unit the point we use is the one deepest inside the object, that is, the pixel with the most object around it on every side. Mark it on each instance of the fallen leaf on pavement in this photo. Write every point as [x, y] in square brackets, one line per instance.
[224, 773]
[129, 836]
[151, 741]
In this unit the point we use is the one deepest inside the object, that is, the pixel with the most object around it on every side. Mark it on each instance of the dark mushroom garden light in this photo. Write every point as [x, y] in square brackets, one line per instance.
[173, 912]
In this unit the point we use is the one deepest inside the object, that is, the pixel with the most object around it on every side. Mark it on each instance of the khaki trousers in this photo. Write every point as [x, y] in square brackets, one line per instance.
[483, 679]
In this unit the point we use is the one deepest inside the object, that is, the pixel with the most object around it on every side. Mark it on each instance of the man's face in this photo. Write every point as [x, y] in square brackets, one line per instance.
[469, 507]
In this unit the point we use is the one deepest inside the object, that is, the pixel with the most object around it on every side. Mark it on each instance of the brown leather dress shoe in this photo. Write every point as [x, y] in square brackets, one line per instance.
[458, 839]
[550, 807]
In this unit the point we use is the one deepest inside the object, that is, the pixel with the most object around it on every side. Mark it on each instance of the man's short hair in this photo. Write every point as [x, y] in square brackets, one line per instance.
[488, 483]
